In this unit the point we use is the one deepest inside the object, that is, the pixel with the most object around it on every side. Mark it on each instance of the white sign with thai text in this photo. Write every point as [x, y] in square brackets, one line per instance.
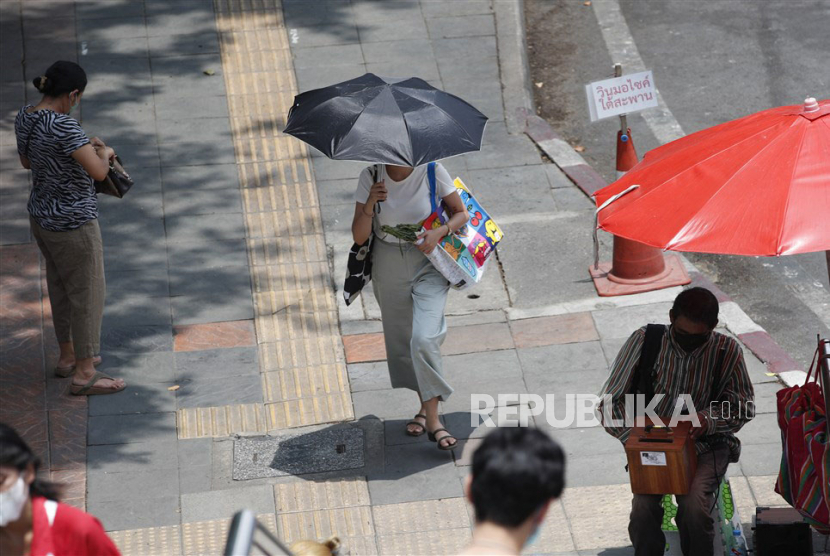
[621, 95]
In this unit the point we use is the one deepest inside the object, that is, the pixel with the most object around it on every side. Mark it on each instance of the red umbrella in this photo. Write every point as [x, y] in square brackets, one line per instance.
[759, 185]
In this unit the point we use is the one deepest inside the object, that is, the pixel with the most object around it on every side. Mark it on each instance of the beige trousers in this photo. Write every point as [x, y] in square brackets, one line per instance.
[75, 278]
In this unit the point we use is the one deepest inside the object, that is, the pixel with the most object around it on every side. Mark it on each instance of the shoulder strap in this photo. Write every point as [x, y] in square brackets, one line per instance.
[716, 380]
[432, 187]
[644, 374]
[51, 508]
[29, 137]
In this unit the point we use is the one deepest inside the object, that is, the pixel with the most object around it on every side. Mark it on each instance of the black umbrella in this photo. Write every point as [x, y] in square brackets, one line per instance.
[406, 122]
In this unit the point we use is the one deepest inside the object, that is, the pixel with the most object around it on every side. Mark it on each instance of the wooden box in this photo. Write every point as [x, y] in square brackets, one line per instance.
[661, 460]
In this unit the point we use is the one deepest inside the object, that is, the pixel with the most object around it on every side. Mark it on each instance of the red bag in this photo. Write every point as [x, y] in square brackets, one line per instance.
[804, 477]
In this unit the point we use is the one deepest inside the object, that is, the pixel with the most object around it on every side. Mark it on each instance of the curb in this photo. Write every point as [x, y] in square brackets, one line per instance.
[753, 336]
[514, 67]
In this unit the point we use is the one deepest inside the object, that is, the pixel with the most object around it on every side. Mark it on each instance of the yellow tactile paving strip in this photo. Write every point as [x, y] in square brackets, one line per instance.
[326, 495]
[300, 349]
[205, 422]
[153, 540]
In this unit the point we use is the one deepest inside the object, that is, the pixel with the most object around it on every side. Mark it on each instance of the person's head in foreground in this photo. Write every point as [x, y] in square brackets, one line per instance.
[32, 521]
[516, 474]
[693, 317]
[18, 477]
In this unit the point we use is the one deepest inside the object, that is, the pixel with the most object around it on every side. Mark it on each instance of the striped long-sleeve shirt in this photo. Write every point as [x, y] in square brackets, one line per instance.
[678, 372]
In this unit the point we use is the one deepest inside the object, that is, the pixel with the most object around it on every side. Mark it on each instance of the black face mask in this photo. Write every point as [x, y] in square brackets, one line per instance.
[690, 342]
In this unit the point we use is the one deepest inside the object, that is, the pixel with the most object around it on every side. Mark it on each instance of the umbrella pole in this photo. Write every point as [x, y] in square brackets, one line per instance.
[827, 254]
[824, 372]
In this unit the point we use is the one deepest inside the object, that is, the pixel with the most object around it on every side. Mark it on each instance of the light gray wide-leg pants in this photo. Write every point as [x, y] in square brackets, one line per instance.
[412, 295]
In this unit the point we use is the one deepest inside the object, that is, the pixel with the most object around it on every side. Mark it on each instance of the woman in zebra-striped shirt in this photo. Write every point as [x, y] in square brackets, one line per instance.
[63, 212]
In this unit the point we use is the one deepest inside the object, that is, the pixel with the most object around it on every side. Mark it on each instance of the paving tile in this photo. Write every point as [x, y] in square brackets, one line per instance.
[407, 28]
[306, 496]
[144, 368]
[554, 535]
[128, 309]
[369, 376]
[209, 537]
[152, 512]
[206, 307]
[621, 322]
[222, 421]
[477, 338]
[386, 404]
[598, 515]
[125, 429]
[244, 389]
[73, 483]
[187, 227]
[425, 515]
[464, 26]
[321, 524]
[194, 453]
[217, 363]
[23, 396]
[211, 335]
[137, 339]
[67, 424]
[763, 429]
[199, 42]
[760, 459]
[569, 271]
[153, 540]
[301, 383]
[413, 473]
[446, 541]
[194, 479]
[68, 455]
[560, 329]
[324, 56]
[32, 425]
[491, 373]
[463, 455]
[399, 51]
[362, 348]
[219, 504]
[136, 398]
[208, 254]
[433, 10]
[159, 455]
[763, 491]
[135, 486]
[230, 281]
[330, 408]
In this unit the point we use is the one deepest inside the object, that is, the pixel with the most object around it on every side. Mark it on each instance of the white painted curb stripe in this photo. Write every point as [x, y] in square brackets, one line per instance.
[734, 318]
[561, 153]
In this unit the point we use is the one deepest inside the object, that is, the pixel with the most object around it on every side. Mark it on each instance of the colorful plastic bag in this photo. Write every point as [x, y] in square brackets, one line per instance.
[462, 256]
[804, 477]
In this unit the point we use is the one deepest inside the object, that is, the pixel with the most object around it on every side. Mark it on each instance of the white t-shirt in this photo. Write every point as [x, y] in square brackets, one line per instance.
[407, 201]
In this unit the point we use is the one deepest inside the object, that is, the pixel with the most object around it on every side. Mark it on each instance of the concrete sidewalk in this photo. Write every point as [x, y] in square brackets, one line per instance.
[224, 266]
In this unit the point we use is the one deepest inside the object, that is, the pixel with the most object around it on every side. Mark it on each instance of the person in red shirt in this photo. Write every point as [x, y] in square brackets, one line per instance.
[32, 521]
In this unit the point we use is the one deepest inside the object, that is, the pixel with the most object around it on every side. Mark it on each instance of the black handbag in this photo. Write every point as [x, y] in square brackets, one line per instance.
[359, 266]
[117, 182]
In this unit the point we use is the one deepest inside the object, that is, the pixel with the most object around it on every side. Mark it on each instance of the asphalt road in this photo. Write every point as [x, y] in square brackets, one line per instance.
[713, 61]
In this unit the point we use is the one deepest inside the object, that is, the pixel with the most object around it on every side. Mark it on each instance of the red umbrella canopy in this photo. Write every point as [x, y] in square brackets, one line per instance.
[759, 185]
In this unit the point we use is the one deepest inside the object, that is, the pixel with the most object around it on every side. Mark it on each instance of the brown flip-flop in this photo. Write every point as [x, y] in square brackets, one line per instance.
[66, 372]
[89, 389]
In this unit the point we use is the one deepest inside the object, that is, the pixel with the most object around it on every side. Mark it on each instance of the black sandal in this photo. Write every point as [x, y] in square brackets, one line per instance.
[423, 426]
[448, 436]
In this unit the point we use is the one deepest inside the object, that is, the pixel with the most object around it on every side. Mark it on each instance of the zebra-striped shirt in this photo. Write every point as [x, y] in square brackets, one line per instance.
[63, 196]
[678, 372]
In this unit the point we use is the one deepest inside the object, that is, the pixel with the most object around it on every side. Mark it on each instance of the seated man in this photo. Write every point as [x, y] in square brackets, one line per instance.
[516, 474]
[708, 366]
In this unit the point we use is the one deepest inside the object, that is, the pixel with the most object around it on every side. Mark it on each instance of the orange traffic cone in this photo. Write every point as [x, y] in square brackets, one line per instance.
[636, 267]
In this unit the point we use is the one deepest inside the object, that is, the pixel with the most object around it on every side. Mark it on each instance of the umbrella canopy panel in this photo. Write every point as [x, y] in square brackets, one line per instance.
[759, 185]
[395, 121]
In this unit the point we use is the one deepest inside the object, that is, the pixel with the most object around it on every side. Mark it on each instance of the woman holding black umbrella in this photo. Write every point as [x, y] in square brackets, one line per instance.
[411, 293]
[400, 125]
